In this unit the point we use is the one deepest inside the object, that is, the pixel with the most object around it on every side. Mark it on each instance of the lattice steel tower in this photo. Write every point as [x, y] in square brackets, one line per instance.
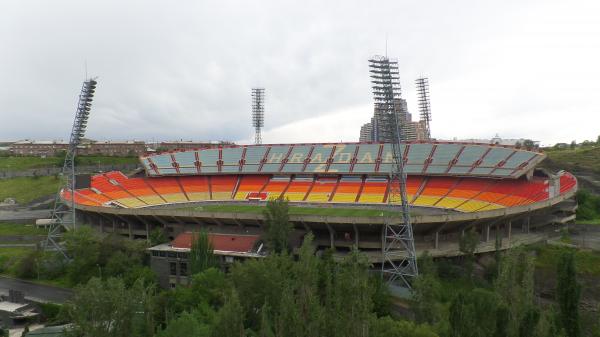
[399, 263]
[63, 215]
[258, 113]
[424, 104]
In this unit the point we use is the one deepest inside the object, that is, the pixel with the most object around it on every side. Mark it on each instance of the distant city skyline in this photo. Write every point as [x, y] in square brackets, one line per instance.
[520, 69]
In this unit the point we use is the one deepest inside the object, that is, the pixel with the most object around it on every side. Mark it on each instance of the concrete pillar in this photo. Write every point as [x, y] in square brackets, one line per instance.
[147, 232]
[487, 232]
[355, 234]
[509, 230]
[331, 236]
[101, 221]
[436, 243]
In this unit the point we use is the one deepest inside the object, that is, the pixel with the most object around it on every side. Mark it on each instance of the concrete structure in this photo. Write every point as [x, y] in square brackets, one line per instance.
[104, 148]
[452, 187]
[170, 261]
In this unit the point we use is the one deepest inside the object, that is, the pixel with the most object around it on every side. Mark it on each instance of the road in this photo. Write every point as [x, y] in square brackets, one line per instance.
[34, 291]
[25, 214]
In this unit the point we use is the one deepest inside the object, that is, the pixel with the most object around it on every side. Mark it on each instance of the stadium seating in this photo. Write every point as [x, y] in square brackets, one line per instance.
[222, 187]
[464, 194]
[195, 187]
[298, 188]
[276, 186]
[421, 159]
[250, 184]
[348, 189]
[322, 190]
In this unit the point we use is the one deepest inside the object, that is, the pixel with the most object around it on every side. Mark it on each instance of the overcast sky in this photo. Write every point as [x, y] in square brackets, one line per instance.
[183, 70]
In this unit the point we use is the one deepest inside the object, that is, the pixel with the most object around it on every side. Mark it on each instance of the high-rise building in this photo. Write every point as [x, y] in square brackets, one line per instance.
[366, 132]
[385, 81]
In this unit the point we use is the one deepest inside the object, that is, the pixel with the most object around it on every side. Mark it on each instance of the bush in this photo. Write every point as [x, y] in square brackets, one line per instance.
[589, 205]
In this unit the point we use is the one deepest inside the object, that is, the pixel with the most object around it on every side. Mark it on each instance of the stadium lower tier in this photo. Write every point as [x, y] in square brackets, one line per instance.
[114, 189]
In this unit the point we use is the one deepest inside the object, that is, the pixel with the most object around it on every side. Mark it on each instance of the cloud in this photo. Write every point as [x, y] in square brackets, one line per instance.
[184, 71]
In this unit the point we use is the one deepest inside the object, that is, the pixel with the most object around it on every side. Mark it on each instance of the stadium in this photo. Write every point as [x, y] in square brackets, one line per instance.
[338, 191]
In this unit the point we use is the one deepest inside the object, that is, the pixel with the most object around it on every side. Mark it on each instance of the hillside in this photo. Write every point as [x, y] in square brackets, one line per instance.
[583, 162]
[13, 163]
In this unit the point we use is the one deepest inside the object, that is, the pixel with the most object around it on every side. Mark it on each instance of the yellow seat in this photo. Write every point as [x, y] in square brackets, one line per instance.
[318, 197]
[131, 202]
[425, 200]
[450, 203]
[152, 200]
[221, 196]
[294, 196]
[344, 197]
[371, 198]
[199, 196]
[175, 197]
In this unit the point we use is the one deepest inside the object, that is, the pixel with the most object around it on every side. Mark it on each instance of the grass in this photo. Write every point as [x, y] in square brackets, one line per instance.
[255, 209]
[27, 189]
[20, 229]
[9, 256]
[580, 158]
[24, 163]
[586, 262]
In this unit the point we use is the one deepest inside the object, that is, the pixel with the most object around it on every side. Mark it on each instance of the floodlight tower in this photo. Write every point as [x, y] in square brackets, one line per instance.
[424, 104]
[399, 261]
[258, 113]
[63, 215]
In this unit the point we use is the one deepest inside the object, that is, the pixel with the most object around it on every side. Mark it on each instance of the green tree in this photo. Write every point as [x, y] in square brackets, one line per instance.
[473, 314]
[83, 246]
[157, 236]
[188, 325]
[277, 225]
[467, 245]
[230, 319]
[528, 144]
[573, 145]
[202, 254]
[568, 292]
[389, 327]
[426, 292]
[514, 286]
[109, 309]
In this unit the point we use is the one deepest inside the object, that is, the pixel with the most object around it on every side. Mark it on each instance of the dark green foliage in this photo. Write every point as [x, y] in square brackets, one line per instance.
[388, 327]
[109, 256]
[201, 253]
[230, 319]
[473, 314]
[188, 325]
[529, 322]
[501, 321]
[29, 266]
[277, 225]
[568, 292]
[426, 292]
[467, 244]
[588, 205]
[109, 309]
[50, 311]
[157, 236]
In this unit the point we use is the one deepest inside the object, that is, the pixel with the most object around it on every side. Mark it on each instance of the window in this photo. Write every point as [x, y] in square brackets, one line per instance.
[172, 285]
[172, 268]
[162, 254]
[154, 253]
[183, 269]
[172, 254]
[182, 255]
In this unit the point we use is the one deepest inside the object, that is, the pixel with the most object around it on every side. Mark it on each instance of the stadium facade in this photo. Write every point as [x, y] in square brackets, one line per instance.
[452, 187]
